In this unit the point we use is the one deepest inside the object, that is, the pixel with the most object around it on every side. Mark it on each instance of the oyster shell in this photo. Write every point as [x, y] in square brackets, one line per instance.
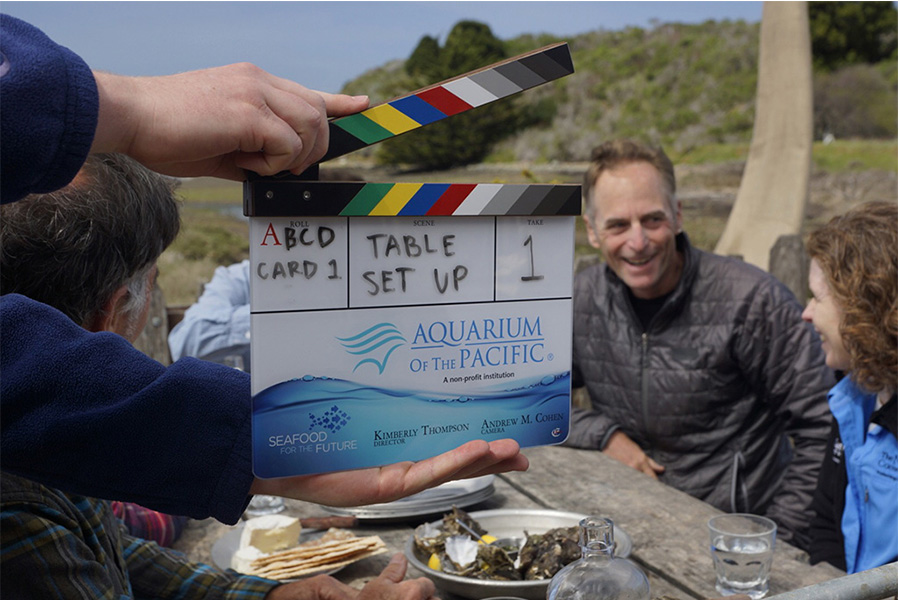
[494, 563]
[540, 557]
[543, 555]
[462, 552]
[453, 528]
[429, 539]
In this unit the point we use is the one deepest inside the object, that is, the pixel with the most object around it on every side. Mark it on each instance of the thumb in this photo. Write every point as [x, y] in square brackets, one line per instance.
[396, 569]
[656, 466]
[338, 105]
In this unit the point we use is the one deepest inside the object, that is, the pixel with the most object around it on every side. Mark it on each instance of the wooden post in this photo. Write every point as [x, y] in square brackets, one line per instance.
[153, 340]
[582, 261]
[790, 265]
[580, 396]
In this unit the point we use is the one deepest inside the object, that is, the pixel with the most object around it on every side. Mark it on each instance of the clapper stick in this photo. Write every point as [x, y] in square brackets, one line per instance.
[290, 195]
[448, 98]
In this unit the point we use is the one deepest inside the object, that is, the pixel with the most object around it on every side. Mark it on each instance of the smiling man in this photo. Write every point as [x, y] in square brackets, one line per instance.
[699, 369]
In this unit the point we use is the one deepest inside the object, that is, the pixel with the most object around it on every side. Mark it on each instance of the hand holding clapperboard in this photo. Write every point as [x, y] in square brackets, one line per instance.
[396, 321]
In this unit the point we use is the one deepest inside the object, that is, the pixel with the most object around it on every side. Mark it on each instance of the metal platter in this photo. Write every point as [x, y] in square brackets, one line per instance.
[442, 498]
[502, 523]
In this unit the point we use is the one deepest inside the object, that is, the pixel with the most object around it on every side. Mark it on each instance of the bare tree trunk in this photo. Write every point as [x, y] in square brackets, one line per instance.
[771, 201]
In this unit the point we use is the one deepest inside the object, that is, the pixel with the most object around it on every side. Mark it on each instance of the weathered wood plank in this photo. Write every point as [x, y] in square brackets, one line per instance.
[668, 527]
[154, 339]
[789, 264]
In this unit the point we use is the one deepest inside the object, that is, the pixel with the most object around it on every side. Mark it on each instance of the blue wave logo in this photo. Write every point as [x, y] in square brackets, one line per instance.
[376, 343]
[333, 420]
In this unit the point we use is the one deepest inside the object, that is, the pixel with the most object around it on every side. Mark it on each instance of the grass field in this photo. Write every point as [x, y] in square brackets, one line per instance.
[845, 172]
[838, 156]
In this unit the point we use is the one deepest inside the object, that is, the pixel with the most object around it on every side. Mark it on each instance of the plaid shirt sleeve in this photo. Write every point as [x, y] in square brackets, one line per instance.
[149, 524]
[42, 558]
[157, 572]
[53, 546]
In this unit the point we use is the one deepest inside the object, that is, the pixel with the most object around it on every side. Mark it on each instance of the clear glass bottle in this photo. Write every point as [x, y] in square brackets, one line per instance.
[598, 575]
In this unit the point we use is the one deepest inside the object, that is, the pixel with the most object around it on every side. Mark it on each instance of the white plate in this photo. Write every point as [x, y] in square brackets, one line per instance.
[461, 493]
[225, 547]
[503, 523]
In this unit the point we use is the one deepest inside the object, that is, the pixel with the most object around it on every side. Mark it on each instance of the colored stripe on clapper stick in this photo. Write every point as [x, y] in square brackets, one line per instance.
[272, 197]
[448, 98]
[437, 199]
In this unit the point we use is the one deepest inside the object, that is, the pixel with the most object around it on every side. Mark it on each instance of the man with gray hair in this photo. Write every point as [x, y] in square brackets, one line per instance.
[699, 370]
[89, 250]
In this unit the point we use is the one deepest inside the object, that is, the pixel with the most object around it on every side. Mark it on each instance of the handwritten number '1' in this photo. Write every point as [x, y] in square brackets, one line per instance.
[531, 277]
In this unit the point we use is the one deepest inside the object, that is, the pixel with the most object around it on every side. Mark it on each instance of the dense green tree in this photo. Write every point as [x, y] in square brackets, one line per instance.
[846, 33]
[462, 140]
[470, 45]
[467, 137]
[425, 61]
[855, 101]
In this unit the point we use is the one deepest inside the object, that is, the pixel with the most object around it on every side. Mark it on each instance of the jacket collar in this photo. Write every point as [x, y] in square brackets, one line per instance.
[886, 416]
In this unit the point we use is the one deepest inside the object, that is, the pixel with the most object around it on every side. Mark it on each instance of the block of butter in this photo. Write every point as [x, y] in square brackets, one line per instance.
[271, 533]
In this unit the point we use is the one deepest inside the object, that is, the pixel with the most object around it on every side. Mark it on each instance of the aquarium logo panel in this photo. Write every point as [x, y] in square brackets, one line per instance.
[397, 384]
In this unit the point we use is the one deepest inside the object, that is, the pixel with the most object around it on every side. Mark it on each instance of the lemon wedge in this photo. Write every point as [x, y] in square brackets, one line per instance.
[434, 562]
[487, 538]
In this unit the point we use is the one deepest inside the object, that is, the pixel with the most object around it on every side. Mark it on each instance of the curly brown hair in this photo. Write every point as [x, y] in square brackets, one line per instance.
[858, 255]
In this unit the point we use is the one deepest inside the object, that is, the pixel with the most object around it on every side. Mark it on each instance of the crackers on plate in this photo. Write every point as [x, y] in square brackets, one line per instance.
[335, 549]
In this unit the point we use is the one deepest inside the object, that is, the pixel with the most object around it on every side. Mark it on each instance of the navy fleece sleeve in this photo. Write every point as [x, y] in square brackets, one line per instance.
[89, 414]
[49, 116]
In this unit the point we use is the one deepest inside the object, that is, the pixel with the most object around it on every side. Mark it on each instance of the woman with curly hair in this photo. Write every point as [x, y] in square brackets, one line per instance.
[853, 280]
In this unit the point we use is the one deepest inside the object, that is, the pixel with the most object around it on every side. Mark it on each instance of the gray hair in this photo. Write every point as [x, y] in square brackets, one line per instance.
[616, 153]
[138, 295]
[73, 248]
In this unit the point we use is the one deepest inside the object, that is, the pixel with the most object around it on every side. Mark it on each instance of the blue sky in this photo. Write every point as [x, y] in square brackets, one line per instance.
[319, 44]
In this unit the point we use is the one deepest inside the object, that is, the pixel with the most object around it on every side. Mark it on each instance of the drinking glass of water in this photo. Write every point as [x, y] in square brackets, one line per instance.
[742, 546]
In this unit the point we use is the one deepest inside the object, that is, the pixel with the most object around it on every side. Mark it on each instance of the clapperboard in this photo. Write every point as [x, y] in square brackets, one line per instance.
[396, 321]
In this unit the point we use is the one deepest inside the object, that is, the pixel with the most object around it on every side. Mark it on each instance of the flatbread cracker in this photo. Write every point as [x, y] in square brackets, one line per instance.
[332, 534]
[335, 549]
[294, 572]
[328, 553]
[291, 569]
[325, 549]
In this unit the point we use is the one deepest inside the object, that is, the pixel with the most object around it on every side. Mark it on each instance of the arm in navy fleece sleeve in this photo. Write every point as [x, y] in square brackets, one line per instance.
[175, 439]
[50, 110]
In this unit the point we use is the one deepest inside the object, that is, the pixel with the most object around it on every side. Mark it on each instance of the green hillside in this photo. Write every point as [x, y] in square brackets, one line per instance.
[679, 85]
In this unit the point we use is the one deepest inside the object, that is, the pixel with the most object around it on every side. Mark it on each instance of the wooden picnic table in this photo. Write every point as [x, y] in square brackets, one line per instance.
[667, 527]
